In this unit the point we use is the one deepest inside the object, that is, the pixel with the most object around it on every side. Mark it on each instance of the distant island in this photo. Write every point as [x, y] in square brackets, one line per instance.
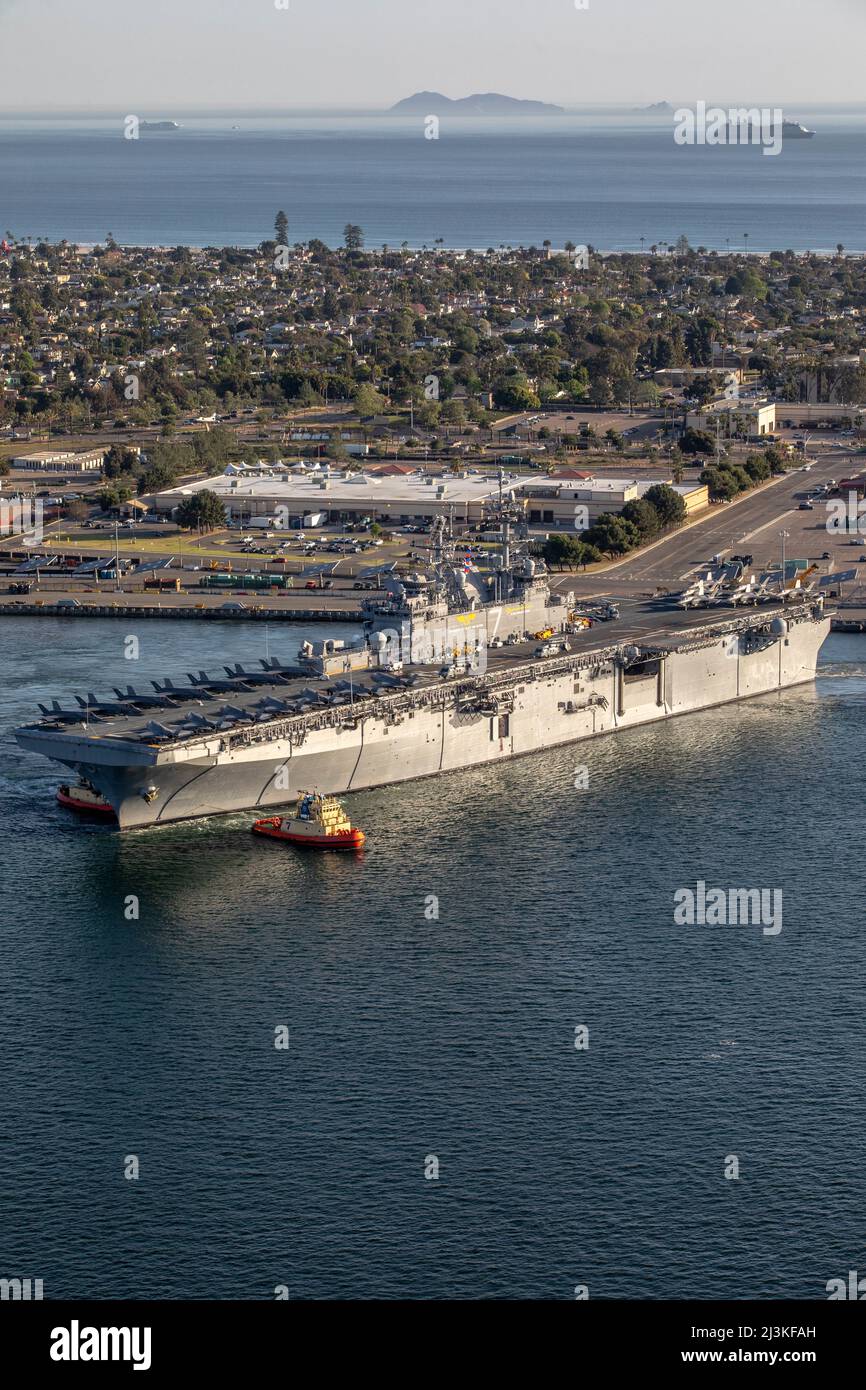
[479, 104]
[159, 125]
[658, 108]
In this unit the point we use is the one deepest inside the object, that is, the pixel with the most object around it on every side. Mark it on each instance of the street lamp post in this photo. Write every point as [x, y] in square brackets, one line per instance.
[783, 536]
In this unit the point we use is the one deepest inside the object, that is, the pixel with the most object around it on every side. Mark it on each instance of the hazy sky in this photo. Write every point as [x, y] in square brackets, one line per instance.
[167, 54]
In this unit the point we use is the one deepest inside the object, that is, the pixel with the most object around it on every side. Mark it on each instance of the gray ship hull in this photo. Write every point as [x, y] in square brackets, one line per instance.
[439, 728]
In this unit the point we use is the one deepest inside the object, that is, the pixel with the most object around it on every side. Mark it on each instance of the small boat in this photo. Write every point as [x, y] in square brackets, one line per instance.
[82, 796]
[318, 822]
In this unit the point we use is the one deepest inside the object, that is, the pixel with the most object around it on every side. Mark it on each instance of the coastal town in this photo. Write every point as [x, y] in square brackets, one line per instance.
[292, 386]
[433, 612]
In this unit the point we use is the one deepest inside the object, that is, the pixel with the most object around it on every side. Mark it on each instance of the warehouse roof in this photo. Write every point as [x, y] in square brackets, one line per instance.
[328, 489]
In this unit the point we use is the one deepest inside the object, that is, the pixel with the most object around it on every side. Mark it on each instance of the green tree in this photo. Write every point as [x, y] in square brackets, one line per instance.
[428, 414]
[746, 282]
[702, 389]
[108, 498]
[569, 552]
[281, 229]
[515, 393]
[156, 478]
[757, 468]
[454, 413]
[644, 516]
[776, 459]
[601, 391]
[368, 402]
[696, 442]
[353, 237]
[646, 393]
[203, 512]
[119, 461]
[557, 550]
[667, 503]
[613, 535]
[720, 484]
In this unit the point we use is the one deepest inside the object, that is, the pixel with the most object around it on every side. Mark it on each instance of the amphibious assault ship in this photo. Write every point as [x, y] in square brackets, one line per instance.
[449, 674]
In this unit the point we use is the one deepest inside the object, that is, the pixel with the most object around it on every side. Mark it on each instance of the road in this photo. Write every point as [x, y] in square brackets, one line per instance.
[750, 524]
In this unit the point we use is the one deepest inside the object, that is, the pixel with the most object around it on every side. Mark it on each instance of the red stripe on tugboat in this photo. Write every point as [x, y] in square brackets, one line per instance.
[318, 822]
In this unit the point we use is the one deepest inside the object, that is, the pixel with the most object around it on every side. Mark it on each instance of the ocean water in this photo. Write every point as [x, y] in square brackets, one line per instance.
[414, 1037]
[591, 178]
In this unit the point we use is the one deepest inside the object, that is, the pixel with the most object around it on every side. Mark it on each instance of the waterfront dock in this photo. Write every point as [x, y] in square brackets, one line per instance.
[219, 612]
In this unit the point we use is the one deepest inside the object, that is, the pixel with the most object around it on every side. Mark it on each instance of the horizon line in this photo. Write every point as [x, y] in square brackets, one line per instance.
[635, 105]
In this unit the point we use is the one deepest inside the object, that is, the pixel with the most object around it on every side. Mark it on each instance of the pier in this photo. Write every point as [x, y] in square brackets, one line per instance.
[226, 612]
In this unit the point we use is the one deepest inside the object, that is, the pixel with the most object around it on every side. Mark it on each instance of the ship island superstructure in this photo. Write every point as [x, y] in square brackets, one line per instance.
[448, 675]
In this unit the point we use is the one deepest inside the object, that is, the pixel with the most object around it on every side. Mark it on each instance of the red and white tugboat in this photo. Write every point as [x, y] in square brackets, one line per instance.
[82, 796]
[318, 822]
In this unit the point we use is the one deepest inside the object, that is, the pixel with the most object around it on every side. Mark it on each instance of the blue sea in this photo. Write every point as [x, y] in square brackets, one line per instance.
[419, 1033]
[599, 179]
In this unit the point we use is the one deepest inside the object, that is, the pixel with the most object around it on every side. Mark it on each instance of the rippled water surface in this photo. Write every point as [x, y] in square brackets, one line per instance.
[412, 1037]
